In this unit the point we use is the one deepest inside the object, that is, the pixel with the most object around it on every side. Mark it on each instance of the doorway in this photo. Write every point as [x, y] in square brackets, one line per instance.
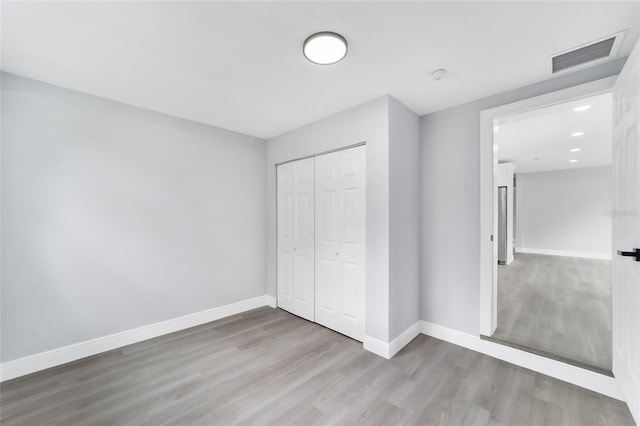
[490, 179]
[554, 231]
[625, 252]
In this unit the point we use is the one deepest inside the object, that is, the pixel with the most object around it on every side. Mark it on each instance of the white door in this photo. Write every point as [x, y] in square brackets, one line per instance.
[626, 231]
[340, 241]
[296, 238]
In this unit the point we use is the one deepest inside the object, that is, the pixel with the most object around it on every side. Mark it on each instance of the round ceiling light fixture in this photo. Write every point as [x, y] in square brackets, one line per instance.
[325, 48]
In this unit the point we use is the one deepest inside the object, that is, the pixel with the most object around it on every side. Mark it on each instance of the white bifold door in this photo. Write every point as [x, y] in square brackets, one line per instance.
[296, 247]
[340, 241]
[321, 240]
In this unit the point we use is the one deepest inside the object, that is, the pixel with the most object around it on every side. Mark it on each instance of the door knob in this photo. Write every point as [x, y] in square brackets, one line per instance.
[635, 253]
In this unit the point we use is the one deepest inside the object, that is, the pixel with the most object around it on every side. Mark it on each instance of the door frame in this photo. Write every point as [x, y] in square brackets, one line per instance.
[488, 191]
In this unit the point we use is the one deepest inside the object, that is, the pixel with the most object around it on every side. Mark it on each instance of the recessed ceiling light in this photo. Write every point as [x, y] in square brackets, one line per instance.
[582, 108]
[577, 134]
[575, 150]
[325, 48]
[573, 161]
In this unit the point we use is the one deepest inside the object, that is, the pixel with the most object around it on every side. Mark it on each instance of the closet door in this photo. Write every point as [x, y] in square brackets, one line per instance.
[340, 241]
[296, 238]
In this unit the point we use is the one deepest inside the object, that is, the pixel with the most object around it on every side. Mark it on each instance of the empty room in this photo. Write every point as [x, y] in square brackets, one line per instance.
[220, 213]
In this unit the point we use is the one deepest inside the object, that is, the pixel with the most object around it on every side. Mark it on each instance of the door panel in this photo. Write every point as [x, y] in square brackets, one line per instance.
[350, 290]
[303, 284]
[296, 246]
[626, 232]
[285, 225]
[303, 203]
[327, 284]
[351, 216]
[286, 263]
[340, 246]
[304, 247]
[327, 219]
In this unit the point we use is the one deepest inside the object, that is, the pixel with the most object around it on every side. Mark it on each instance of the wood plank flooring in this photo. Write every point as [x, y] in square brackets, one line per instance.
[269, 367]
[560, 305]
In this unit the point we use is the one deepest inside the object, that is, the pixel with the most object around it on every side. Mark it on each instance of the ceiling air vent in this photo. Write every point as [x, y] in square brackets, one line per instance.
[589, 54]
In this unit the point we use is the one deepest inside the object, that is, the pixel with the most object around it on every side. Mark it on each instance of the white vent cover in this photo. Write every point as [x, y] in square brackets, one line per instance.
[585, 55]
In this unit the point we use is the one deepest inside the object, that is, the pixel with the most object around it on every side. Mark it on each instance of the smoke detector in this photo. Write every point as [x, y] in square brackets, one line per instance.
[438, 74]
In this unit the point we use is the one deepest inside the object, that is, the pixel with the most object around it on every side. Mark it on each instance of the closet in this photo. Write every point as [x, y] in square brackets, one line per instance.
[321, 239]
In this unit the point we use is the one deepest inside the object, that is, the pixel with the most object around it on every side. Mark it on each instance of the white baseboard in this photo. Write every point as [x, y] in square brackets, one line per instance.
[376, 346]
[575, 375]
[602, 256]
[272, 301]
[388, 350]
[405, 338]
[31, 364]
[568, 373]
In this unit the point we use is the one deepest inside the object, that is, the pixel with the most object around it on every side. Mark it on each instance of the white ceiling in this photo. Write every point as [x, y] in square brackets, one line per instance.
[545, 134]
[239, 65]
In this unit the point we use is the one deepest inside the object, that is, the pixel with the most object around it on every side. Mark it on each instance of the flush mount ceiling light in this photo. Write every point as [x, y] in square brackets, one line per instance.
[573, 161]
[325, 48]
[582, 108]
[577, 134]
[575, 150]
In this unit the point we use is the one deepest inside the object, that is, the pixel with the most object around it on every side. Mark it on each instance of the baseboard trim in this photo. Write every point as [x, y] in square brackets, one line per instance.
[376, 346]
[41, 361]
[388, 350]
[272, 301]
[404, 338]
[587, 379]
[601, 256]
[575, 375]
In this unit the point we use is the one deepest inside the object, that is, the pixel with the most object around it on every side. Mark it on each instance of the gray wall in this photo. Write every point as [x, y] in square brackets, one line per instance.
[450, 197]
[566, 210]
[404, 220]
[365, 123]
[115, 217]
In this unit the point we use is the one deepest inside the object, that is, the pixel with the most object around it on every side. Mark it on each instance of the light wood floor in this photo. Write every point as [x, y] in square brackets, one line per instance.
[560, 305]
[269, 367]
